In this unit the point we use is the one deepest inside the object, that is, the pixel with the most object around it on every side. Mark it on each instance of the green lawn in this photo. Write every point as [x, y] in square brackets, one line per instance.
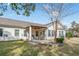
[23, 48]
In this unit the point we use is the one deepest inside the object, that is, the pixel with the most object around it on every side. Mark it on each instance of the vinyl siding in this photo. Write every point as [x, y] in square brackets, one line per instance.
[11, 33]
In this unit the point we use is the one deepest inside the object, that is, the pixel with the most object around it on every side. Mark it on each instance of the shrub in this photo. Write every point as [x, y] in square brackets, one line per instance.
[60, 40]
[69, 34]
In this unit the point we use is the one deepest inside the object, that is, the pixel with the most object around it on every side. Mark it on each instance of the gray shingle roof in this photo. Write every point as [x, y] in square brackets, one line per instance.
[16, 23]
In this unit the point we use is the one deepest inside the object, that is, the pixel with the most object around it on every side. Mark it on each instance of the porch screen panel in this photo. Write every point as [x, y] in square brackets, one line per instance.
[36, 33]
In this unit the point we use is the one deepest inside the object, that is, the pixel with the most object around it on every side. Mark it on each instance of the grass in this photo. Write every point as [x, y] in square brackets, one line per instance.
[23, 48]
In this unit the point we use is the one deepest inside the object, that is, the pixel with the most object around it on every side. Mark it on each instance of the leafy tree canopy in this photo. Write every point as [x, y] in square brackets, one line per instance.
[19, 8]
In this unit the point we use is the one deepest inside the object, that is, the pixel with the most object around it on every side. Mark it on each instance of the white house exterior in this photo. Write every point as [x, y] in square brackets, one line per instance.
[15, 30]
[51, 28]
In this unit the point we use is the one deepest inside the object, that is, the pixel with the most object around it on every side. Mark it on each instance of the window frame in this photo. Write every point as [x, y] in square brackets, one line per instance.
[17, 34]
[53, 33]
[49, 33]
[25, 33]
[61, 33]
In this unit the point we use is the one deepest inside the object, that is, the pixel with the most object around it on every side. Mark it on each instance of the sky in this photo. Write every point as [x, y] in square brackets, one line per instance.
[40, 15]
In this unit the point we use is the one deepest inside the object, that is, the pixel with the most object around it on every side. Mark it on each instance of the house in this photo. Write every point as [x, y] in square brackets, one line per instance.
[13, 29]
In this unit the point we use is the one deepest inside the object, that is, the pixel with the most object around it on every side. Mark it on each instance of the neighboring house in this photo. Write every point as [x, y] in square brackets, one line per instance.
[13, 29]
[74, 32]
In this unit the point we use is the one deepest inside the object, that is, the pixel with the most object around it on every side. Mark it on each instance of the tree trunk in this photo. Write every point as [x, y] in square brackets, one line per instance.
[55, 31]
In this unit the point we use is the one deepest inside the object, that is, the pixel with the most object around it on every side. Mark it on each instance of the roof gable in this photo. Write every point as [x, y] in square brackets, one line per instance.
[60, 26]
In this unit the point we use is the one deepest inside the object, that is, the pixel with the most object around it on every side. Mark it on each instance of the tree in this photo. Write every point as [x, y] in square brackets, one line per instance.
[74, 29]
[3, 8]
[26, 8]
[19, 8]
[74, 26]
[69, 34]
[57, 11]
[54, 11]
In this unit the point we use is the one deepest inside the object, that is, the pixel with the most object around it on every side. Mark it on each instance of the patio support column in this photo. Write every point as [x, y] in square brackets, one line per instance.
[30, 33]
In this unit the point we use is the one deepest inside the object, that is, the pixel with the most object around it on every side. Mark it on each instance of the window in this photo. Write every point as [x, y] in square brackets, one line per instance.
[1, 32]
[25, 33]
[49, 32]
[61, 33]
[52, 32]
[16, 32]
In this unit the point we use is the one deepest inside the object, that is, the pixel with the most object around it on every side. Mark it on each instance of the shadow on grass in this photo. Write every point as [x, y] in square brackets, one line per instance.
[7, 47]
[22, 48]
[67, 50]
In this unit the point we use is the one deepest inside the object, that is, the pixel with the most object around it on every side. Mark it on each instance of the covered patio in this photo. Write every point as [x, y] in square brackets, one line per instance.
[36, 32]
